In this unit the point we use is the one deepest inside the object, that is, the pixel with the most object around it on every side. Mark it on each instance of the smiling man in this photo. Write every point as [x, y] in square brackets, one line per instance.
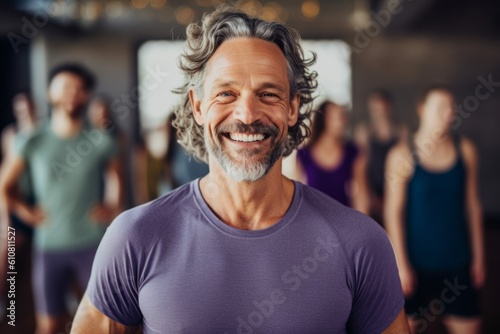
[244, 249]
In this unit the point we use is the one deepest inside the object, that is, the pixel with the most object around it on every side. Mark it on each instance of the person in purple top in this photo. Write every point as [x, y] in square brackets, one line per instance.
[331, 163]
[243, 249]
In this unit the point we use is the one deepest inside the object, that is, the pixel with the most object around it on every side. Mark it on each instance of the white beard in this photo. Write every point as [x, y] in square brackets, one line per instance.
[239, 172]
[249, 170]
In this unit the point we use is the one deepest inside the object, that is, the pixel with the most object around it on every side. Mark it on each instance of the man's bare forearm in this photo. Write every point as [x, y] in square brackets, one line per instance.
[89, 319]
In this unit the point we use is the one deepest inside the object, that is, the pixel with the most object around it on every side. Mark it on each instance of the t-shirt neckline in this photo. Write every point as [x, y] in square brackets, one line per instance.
[286, 220]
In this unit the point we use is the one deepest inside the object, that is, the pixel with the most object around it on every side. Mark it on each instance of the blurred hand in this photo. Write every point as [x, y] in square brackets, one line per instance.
[33, 216]
[408, 279]
[478, 273]
[103, 214]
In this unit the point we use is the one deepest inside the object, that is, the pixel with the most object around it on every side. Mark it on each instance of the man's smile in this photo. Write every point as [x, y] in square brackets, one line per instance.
[246, 137]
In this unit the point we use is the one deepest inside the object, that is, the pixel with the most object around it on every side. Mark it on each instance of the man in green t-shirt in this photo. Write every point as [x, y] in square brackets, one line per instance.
[77, 188]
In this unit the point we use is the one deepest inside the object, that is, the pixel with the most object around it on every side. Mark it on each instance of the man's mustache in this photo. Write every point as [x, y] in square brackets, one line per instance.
[256, 127]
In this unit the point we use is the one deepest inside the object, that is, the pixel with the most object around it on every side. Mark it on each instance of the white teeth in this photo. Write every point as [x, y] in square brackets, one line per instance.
[245, 137]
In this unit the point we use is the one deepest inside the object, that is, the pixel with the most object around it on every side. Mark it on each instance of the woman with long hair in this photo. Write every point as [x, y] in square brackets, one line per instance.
[331, 163]
[433, 217]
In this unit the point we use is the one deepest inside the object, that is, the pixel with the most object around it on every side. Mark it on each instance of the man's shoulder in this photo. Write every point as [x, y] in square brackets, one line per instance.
[146, 220]
[351, 226]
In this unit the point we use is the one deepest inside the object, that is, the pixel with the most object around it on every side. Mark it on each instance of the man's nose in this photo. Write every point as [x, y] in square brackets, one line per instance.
[247, 109]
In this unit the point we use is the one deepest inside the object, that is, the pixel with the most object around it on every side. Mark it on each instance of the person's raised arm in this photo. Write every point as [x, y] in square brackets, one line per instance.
[398, 171]
[89, 319]
[474, 213]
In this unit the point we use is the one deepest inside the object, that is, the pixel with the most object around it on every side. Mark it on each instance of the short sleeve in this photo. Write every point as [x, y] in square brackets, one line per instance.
[113, 286]
[377, 295]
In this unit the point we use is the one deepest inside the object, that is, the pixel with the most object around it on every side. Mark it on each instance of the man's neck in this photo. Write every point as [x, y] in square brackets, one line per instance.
[65, 126]
[247, 205]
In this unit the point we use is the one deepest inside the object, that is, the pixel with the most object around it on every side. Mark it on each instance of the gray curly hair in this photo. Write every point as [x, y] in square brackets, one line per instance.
[202, 41]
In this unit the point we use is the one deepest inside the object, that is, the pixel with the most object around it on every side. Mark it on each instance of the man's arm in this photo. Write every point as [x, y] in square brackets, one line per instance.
[360, 193]
[474, 213]
[399, 325]
[114, 186]
[113, 194]
[9, 175]
[7, 137]
[89, 319]
[398, 170]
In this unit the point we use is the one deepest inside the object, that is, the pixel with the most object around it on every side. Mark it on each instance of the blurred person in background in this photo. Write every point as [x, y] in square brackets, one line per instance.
[181, 167]
[14, 134]
[139, 172]
[376, 138]
[65, 158]
[331, 163]
[24, 125]
[434, 219]
[152, 164]
[101, 117]
[165, 165]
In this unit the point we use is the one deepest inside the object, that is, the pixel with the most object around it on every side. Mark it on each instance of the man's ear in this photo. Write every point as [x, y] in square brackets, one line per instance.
[293, 114]
[196, 106]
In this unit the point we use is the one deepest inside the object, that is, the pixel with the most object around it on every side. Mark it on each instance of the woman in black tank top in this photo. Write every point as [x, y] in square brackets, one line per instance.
[433, 217]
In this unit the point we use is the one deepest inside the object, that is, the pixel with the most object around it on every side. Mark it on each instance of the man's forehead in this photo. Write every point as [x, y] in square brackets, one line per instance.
[243, 49]
[65, 77]
[241, 52]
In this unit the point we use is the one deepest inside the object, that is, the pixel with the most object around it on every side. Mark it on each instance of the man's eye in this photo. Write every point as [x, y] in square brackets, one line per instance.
[226, 97]
[269, 97]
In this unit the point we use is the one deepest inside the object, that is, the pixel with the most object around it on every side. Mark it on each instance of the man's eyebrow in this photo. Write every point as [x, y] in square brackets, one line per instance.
[220, 83]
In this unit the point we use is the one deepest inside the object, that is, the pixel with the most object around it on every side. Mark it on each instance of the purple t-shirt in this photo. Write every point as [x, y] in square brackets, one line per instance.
[174, 267]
